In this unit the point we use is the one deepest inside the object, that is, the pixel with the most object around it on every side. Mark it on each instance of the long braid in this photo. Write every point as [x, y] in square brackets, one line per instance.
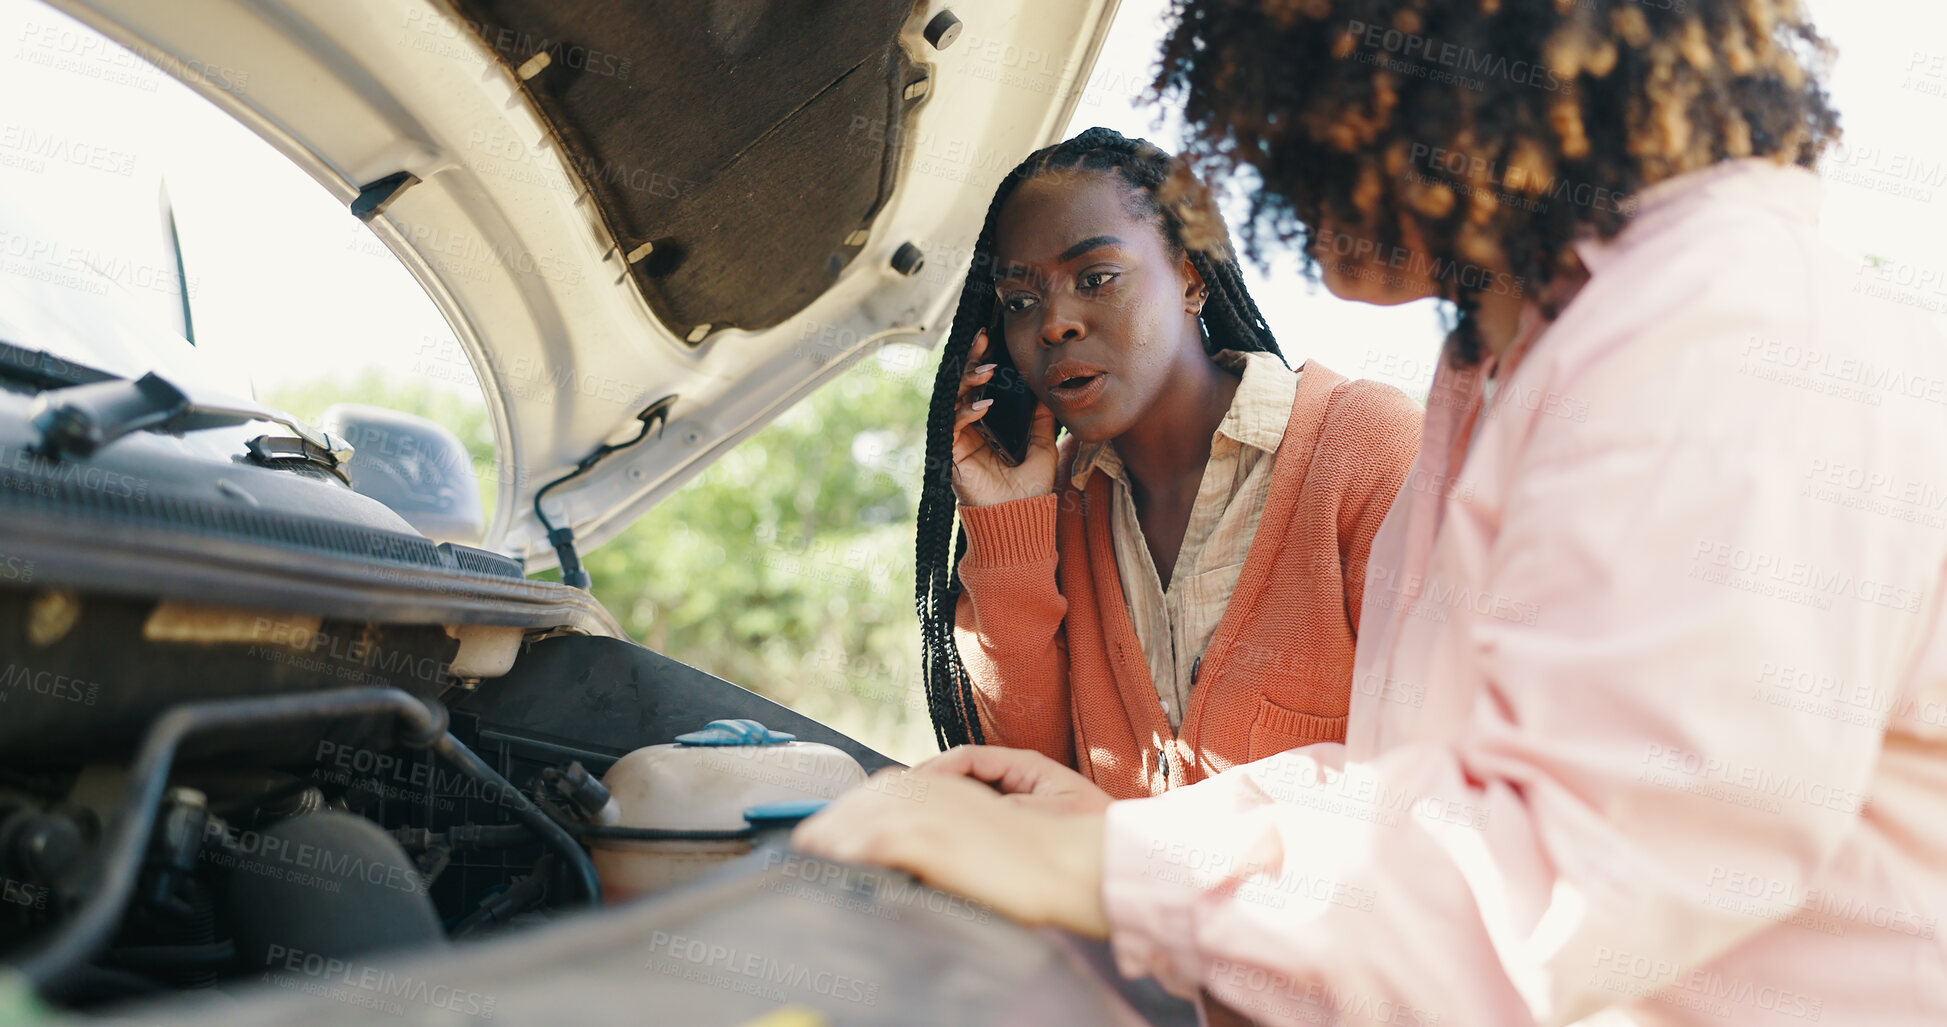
[1231, 321]
[937, 581]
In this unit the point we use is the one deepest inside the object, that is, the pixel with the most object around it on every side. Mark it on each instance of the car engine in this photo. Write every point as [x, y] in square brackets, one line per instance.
[177, 812]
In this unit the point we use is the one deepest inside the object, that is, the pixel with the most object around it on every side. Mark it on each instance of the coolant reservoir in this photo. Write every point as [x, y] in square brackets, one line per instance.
[704, 782]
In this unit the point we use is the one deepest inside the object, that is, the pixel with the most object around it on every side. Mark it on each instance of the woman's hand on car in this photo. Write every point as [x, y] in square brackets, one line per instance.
[981, 476]
[957, 834]
[1023, 776]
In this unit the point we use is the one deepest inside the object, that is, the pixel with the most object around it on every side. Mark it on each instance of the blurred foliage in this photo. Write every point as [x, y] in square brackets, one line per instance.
[786, 566]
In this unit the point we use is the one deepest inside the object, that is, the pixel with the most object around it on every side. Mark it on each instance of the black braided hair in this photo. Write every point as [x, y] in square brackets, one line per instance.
[1188, 216]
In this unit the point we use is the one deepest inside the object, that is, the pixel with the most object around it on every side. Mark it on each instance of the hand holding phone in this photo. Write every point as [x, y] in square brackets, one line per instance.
[1003, 437]
[1007, 414]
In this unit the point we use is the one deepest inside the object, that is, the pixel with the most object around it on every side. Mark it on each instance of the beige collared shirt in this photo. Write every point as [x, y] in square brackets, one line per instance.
[1175, 625]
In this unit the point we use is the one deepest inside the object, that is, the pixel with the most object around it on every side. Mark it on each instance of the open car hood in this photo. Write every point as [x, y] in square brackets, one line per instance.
[614, 203]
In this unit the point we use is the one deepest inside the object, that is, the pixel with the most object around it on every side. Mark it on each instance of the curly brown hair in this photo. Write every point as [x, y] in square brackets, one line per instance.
[1501, 129]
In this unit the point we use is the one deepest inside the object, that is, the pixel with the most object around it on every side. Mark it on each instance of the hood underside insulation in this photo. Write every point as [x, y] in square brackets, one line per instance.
[736, 148]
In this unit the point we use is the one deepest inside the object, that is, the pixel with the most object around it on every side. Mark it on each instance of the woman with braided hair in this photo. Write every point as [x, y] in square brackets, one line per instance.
[1678, 749]
[1174, 590]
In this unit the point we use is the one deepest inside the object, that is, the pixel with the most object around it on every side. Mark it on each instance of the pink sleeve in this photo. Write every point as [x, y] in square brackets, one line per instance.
[1611, 755]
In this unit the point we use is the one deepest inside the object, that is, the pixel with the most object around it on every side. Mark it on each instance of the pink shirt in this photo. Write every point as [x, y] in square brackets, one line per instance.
[1649, 715]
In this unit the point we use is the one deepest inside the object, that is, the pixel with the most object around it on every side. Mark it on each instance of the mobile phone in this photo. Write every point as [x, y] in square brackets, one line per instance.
[1006, 424]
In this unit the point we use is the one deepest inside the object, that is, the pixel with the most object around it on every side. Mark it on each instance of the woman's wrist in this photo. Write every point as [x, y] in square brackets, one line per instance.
[1077, 850]
[1016, 532]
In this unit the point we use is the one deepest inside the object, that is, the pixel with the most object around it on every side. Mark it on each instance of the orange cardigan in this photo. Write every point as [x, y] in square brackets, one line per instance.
[1045, 633]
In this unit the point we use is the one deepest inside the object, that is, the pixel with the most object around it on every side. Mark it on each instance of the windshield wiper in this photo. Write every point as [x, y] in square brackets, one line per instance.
[80, 419]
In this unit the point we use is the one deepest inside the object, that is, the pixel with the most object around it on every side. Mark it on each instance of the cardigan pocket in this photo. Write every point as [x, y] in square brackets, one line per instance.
[1278, 729]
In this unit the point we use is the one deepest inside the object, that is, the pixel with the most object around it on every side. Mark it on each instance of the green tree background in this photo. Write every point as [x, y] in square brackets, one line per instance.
[786, 566]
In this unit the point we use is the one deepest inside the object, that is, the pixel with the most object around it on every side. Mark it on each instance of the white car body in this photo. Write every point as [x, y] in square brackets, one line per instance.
[500, 231]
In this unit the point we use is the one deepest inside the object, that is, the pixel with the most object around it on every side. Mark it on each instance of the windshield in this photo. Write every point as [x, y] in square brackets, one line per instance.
[116, 171]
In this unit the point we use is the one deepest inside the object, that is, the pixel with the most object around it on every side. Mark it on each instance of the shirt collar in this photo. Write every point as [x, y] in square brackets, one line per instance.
[1258, 414]
[1786, 188]
[1791, 191]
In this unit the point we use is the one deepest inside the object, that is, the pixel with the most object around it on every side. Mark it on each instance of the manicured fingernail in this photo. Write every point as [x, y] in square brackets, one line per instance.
[984, 368]
[982, 404]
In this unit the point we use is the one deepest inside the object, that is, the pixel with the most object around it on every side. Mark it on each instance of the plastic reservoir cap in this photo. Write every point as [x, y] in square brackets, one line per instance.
[780, 814]
[735, 732]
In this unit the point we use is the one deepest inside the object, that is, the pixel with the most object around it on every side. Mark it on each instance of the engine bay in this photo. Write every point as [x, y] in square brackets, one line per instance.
[268, 753]
[186, 809]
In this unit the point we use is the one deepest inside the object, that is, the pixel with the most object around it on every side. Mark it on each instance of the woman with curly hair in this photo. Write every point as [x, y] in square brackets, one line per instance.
[1682, 756]
[1209, 513]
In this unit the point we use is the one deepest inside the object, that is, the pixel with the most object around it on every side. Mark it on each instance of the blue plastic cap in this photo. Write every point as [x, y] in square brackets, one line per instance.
[735, 732]
[777, 814]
